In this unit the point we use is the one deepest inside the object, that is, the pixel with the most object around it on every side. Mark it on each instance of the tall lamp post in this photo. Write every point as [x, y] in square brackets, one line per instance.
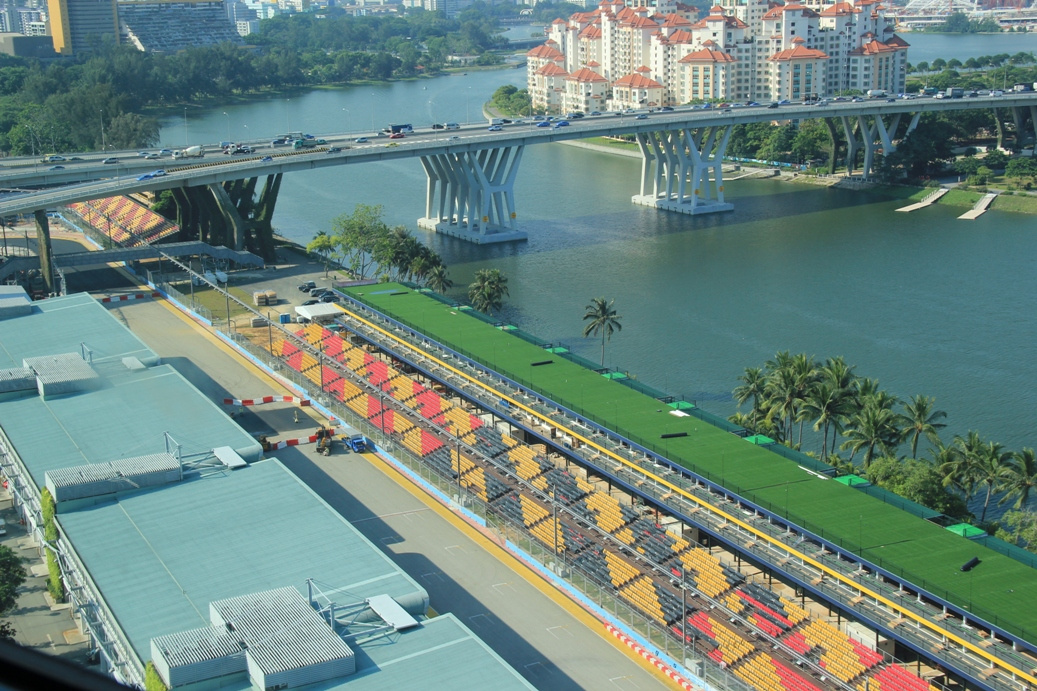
[186, 143]
[228, 124]
[102, 130]
[348, 117]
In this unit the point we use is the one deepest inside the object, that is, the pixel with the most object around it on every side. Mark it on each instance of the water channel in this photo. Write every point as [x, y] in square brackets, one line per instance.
[923, 302]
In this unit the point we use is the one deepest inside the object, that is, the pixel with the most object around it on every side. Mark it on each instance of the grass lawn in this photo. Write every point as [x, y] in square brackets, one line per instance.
[966, 198]
[1018, 203]
[215, 302]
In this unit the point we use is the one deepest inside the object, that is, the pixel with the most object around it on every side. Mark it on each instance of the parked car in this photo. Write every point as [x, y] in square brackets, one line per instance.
[329, 297]
[317, 292]
[307, 286]
[312, 301]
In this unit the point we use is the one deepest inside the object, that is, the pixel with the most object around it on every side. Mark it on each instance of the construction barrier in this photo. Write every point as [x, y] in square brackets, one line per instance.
[130, 296]
[652, 659]
[285, 443]
[266, 399]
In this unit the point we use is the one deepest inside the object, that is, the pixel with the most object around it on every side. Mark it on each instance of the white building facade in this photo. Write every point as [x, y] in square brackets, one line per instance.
[662, 54]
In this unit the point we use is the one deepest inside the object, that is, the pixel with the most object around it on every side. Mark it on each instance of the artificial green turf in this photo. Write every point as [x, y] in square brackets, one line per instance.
[1000, 590]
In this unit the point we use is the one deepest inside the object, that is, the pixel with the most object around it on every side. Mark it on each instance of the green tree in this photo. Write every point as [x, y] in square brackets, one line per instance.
[872, 429]
[1020, 528]
[752, 388]
[958, 467]
[1020, 478]
[995, 158]
[991, 471]
[603, 320]
[324, 245]
[12, 576]
[438, 279]
[488, 291]
[920, 419]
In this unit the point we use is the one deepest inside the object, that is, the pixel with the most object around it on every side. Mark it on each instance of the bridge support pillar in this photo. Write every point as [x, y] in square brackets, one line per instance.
[681, 170]
[876, 137]
[43, 250]
[1019, 119]
[471, 194]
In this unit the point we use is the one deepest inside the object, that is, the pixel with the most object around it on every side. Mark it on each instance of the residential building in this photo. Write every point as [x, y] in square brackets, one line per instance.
[77, 26]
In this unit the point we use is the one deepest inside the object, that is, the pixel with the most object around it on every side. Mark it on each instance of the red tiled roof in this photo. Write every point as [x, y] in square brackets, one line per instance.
[839, 9]
[708, 55]
[585, 75]
[798, 52]
[637, 81]
[552, 70]
[545, 51]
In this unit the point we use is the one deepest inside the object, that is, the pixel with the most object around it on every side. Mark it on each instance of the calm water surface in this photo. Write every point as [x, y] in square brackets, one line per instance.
[923, 302]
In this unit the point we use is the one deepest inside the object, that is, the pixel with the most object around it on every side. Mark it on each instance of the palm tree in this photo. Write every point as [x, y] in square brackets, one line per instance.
[1021, 478]
[438, 279]
[959, 469]
[782, 389]
[752, 387]
[604, 320]
[825, 404]
[805, 369]
[873, 428]
[488, 291]
[919, 418]
[992, 470]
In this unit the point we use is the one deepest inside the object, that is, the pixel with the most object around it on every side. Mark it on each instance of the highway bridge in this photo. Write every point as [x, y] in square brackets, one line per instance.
[471, 171]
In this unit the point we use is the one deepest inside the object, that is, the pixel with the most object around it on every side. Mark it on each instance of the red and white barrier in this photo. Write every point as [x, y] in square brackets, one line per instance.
[655, 661]
[285, 443]
[131, 296]
[266, 399]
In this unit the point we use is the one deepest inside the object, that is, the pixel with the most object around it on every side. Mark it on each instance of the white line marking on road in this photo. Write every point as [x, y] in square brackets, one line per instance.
[628, 682]
[390, 515]
[556, 631]
[457, 547]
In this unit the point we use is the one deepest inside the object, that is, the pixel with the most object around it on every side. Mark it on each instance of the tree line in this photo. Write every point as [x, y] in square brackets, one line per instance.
[881, 434]
[108, 99]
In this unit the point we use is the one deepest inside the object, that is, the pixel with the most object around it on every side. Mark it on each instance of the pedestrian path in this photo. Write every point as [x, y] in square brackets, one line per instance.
[980, 208]
[929, 199]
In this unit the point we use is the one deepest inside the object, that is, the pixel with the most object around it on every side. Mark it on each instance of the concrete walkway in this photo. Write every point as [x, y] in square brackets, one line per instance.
[980, 208]
[929, 199]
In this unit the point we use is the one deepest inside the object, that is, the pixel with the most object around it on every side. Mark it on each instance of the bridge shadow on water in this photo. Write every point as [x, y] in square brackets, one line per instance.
[755, 201]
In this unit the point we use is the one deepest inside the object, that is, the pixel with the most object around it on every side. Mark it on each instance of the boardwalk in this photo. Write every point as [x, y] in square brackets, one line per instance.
[980, 208]
[930, 198]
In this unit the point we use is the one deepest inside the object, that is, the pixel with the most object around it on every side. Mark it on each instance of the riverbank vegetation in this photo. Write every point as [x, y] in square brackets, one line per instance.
[108, 99]
[959, 23]
[851, 423]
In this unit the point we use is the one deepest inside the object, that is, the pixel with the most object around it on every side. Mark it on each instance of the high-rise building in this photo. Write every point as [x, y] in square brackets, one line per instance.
[77, 26]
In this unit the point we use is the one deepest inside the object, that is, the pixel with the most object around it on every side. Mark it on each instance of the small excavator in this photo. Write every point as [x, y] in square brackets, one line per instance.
[325, 437]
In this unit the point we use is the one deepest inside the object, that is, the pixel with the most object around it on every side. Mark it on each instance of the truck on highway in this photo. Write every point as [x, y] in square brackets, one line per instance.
[955, 92]
[397, 129]
[308, 143]
[876, 93]
[189, 152]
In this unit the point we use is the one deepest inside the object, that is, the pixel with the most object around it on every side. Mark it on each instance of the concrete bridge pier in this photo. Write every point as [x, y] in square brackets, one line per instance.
[681, 170]
[471, 194]
[1019, 119]
[876, 137]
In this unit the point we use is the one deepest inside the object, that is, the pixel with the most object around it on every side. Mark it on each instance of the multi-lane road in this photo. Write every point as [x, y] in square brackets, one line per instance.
[31, 185]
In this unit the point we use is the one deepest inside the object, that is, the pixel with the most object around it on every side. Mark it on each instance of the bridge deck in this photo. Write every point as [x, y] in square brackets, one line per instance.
[1000, 591]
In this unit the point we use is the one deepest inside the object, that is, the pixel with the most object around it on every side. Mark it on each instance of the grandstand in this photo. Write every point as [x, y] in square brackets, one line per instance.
[757, 481]
[168, 27]
[515, 480]
[127, 222]
[167, 545]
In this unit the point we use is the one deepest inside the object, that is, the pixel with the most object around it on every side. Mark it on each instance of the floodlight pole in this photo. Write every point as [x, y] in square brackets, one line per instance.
[684, 617]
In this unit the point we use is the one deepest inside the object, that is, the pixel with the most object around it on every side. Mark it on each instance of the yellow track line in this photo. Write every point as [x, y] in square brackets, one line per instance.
[733, 519]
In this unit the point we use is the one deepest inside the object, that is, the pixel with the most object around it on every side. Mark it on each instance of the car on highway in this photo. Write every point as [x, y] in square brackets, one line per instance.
[308, 136]
[595, 112]
[110, 160]
[360, 140]
[668, 109]
[266, 159]
[145, 176]
[334, 149]
[774, 104]
[54, 158]
[560, 123]
[396, 135]
[857, 99]
[151, 157]
[891, 100]
[640, 116]
[455, 138]
[56, 168]
[751, 104]
[158, 173]
[543, 123]
[438, 126]
[143, 154]
[494, 128]
[165, 152]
